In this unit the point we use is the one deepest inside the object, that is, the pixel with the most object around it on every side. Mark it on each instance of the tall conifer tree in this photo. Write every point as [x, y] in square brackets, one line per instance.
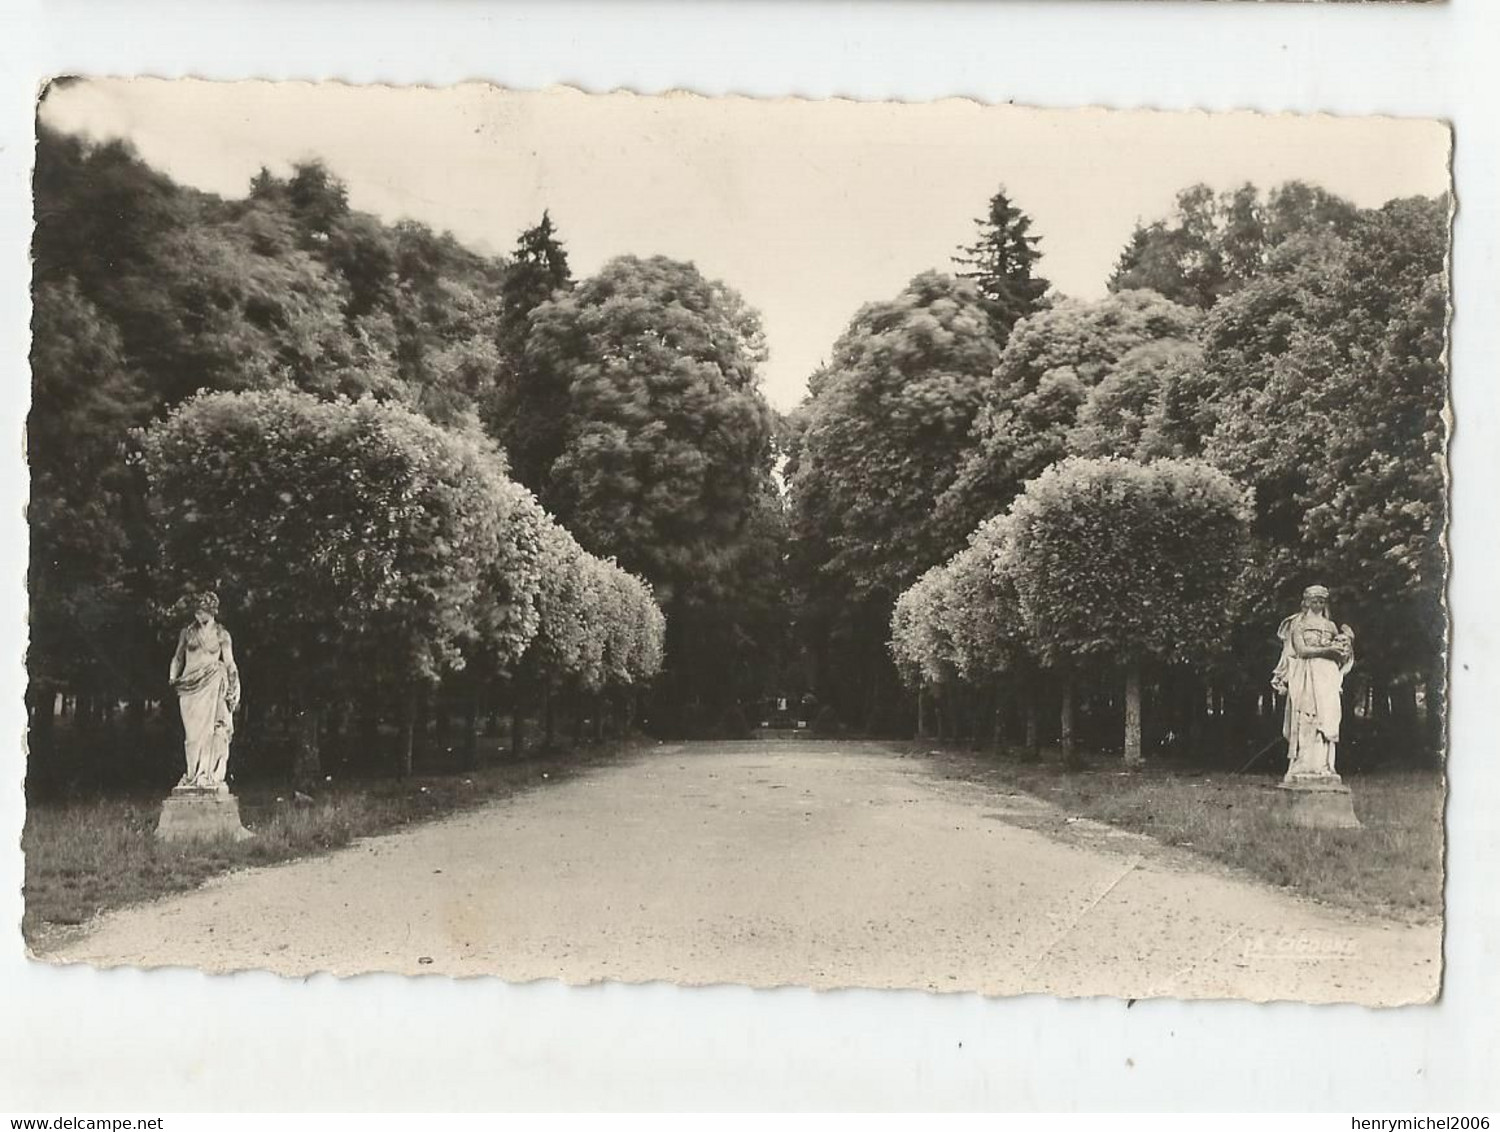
[1001, 262]
[529, 411]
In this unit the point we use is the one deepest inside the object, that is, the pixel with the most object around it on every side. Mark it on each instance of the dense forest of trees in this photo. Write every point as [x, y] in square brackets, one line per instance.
[434, 486]
[1288, 346]
[429, 485]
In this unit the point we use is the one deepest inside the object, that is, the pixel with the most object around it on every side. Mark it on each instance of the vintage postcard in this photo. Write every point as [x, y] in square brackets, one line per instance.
[717, 540]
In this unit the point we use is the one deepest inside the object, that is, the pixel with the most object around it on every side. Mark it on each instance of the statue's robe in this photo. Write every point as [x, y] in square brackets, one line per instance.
[204, 684]
[1314, 696]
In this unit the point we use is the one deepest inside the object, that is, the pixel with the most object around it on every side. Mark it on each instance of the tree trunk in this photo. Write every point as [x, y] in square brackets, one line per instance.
[921, 711]
[1240, 705]
[42, 701]
[1435, 706]
[1031, 739]
[1133, 756]
[442, 715]
[367, 735]
[1404, 704]
[517, 732]
[1065, 719]
[1169, 701]
[517, 725]
[1195, 713]
[575, 717]
[84, 719]
[406, 739]
[470, 745]
[549, 718]
[135, 720]
[870, 675]
[421, 715]
[997, 719]
[307, 758]
[333, 738]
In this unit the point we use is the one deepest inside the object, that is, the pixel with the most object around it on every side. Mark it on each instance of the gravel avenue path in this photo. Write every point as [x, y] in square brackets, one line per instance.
[778, 863]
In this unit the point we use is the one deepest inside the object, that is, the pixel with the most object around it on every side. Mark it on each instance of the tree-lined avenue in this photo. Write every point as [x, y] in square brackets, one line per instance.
[777, 863]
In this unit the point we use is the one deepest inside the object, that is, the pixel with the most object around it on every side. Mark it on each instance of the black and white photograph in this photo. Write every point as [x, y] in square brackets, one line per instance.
[780, 543]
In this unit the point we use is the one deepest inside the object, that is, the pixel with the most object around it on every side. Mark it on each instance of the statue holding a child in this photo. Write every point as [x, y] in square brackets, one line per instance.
[1315, 656]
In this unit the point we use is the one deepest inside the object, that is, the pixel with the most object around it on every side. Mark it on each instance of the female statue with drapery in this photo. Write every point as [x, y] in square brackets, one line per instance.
[207, 684]
[1315, 656]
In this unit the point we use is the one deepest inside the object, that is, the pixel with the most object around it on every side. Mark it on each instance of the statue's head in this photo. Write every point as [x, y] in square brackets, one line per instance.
[204, 606]
[1315, 599]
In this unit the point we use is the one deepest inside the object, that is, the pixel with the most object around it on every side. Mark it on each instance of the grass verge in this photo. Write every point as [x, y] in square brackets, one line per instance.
[1392, 868]
[84, 857]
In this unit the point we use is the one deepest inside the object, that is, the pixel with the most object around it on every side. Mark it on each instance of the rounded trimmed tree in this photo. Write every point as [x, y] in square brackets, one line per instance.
[350, 540]
[920, 642]
[959, 626]
[1124, 563]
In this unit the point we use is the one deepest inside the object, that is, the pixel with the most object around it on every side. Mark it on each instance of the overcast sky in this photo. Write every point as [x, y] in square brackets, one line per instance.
[809, 209]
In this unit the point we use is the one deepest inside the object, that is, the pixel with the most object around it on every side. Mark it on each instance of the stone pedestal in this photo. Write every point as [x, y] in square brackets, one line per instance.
[192, 813]
[1319, 801]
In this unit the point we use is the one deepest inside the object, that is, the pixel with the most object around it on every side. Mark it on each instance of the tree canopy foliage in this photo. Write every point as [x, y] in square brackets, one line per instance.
[340, 531]
[666, 437]
[1215, 243]
[87, 630]
[885, 428]
[1048, 377]
[360, 542]
[876, 444]
[1120, 560]
[1326, 377]
[320, 382]
[361, 431]
[961, 622]
[147, 292]
[1103, 561]
[1305, 361]
[661, 455]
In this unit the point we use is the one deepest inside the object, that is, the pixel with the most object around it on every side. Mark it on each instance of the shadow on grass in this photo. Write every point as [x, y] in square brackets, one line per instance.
[84, 857]
[1392, 868]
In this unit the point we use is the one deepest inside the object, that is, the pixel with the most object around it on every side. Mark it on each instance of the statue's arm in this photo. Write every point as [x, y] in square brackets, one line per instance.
[1283, 663]
[1312, 652]
[1279, 673]
[226, 653]
[179, 658]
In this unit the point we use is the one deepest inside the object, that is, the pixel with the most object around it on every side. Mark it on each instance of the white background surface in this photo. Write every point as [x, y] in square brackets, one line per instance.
[74, 1040]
